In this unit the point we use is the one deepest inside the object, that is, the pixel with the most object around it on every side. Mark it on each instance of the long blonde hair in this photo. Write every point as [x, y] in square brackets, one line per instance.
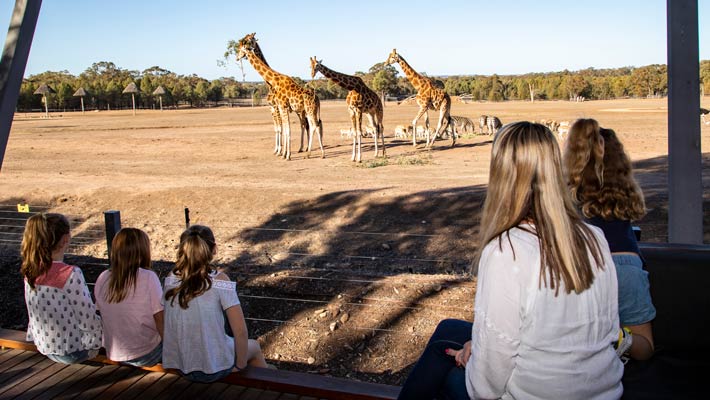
[130, 250]
[42, 235]
[193, 266]
[599, 173]
[526, 183]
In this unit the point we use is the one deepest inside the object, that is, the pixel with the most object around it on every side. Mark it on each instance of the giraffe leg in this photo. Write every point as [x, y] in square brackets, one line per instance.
[277, 129]
[440, 127]
[426, 124]
[312, 126]
[355, 133]
[375, 129]
[422, 111]
[320, 138]
[287, 135]
[358, 116]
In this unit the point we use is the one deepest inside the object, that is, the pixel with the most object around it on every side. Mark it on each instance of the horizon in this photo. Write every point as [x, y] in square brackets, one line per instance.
[71, 37]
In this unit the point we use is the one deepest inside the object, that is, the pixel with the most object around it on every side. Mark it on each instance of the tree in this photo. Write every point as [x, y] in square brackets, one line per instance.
[705, 77]
[384, 80]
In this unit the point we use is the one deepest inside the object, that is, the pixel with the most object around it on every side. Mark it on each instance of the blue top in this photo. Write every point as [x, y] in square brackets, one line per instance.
[618, 233]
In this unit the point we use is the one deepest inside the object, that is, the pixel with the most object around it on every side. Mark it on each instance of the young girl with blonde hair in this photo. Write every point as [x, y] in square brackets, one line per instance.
[600, 177]
[545, 307]
[62, 317]
[128, 295]
[197, 299]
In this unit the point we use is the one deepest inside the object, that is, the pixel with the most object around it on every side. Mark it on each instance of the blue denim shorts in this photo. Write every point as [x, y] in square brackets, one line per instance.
[155, 356]
[75, 357]
[635, 306]
[201, 377]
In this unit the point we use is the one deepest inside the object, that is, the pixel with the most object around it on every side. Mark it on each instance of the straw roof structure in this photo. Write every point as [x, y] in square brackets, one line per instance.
[131, 88]
[159, 91]
[80, 92]
[44, 89]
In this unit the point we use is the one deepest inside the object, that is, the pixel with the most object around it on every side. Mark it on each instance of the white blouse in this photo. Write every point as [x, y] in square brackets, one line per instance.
[528, 343]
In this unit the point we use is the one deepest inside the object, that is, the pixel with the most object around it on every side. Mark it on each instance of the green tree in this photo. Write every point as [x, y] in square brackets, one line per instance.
[384, 80]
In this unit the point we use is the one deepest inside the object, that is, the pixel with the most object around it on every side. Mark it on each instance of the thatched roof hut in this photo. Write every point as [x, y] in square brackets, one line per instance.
[80, 92]
[44, 90]
[159, 91]
[131, 88]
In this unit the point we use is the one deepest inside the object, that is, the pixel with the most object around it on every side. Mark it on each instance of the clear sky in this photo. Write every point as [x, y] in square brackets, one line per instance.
[444, 37]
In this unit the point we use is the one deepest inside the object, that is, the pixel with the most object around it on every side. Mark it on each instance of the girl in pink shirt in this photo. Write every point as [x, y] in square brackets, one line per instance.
[62, 318]
[128, 296]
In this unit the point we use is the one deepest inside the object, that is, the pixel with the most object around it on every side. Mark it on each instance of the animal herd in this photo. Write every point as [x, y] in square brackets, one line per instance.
[285, 95]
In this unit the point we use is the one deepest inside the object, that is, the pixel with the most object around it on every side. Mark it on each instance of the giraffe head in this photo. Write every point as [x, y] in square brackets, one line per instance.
[393, 58]
[314, 66]
[246, 44]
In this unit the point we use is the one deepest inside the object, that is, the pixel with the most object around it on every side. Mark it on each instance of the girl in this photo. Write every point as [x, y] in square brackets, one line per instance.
[600, 178]
[545, 308]
[62, 318]
[197, 298]
[129, 298]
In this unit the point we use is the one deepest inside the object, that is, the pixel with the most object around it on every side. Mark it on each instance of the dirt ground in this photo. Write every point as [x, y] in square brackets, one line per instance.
[343, 269]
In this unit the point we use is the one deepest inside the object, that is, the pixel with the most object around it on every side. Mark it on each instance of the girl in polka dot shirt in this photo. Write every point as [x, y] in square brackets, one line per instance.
[63, 322]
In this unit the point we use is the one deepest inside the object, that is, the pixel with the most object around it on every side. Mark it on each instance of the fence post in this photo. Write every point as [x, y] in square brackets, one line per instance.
[112, 220]
[187, 217]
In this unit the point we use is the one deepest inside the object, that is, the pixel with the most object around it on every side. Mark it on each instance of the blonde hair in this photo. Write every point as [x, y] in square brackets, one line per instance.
[42, 235]
[130, 250]
[526, 183]
[599, 173]
[193, 266]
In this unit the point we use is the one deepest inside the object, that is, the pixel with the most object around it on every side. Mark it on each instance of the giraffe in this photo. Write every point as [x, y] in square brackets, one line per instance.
[288, 95]
[303, 121]
[361, 100]
[428, 97]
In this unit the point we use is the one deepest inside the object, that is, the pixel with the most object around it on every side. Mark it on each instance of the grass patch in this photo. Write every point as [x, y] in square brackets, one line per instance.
[417, 159]
[377, 162]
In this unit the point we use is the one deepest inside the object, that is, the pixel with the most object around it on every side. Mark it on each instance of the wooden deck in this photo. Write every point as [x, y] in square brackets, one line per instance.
[29, 375]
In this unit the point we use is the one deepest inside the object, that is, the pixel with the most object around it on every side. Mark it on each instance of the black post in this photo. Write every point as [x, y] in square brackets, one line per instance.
[187, 217]
[13, 62]
[112, 220]
[685, 186]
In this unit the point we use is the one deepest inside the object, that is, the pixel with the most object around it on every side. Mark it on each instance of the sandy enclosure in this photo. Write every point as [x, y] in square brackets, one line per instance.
[379, 249]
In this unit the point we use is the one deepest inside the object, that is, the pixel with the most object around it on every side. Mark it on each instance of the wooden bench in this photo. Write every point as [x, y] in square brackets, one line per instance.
[267, 379]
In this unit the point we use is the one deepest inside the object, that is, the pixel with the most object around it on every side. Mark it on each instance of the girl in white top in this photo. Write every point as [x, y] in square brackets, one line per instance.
[129, 298]
[197, 298]
[62, 318]
[546, 301]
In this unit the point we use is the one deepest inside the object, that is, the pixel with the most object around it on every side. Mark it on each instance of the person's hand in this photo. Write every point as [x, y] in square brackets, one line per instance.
[461, 356]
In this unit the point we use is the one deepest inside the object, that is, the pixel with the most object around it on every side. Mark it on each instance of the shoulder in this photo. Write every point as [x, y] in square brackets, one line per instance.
[515, 240]
[220, 280]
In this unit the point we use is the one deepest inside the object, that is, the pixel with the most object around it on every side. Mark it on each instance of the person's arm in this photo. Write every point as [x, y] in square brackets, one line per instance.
[642, 343]
[496, 325]
[235, 316]
[82, 306]
[158, 318]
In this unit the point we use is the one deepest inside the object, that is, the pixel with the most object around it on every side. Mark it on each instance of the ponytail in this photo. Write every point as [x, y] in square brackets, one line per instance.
[43, 232]
[192, 267]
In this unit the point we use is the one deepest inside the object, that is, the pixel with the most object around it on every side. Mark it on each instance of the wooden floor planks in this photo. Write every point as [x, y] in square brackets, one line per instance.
[26, 375]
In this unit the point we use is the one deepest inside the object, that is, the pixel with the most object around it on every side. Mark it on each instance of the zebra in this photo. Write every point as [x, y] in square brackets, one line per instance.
[482, 123]
[492, 123]
[463, 124]
[704, 116]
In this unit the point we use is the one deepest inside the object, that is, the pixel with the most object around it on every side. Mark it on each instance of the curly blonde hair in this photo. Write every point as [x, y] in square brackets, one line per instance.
[599, 173]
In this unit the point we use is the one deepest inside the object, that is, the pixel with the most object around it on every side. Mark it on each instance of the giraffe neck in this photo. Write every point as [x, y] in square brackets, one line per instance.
[258, 53]
[413, 76]
[345, 81]
[270, 76]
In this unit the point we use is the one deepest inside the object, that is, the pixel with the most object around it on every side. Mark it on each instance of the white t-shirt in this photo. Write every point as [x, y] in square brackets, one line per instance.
[529, 344]
[194, 338]
[129, 326]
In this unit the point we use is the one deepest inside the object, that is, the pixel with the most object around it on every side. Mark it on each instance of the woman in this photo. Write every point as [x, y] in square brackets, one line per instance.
[600, 178]
[545, 308]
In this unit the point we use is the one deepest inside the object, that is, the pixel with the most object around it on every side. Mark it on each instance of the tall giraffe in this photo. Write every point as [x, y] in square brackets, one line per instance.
[428, 97]
[288, 96]
[361, 100]
[303, 121]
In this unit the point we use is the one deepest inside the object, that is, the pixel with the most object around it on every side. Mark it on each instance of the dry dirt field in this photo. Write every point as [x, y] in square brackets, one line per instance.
[343, 269]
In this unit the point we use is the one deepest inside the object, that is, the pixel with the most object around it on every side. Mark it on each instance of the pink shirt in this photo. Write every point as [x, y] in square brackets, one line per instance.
[129, 327]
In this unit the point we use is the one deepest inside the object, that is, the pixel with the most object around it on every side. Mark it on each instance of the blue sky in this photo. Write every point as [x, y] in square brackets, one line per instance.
[436, 37]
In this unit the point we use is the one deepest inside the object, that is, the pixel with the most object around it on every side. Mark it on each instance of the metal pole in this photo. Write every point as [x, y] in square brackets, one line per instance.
[112, 220]
[13, 62]
[685, 188]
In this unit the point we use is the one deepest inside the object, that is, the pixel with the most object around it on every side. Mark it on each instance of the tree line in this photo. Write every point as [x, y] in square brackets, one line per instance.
[104, 82]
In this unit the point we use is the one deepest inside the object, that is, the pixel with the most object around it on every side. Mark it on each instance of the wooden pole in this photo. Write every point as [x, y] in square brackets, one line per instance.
[46, 107]
[685, 184]
[133, 98]
[13, 62]
[82, 104]
[160, 98]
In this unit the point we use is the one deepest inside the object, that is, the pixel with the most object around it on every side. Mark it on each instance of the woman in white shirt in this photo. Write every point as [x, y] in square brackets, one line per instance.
[546, 301]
